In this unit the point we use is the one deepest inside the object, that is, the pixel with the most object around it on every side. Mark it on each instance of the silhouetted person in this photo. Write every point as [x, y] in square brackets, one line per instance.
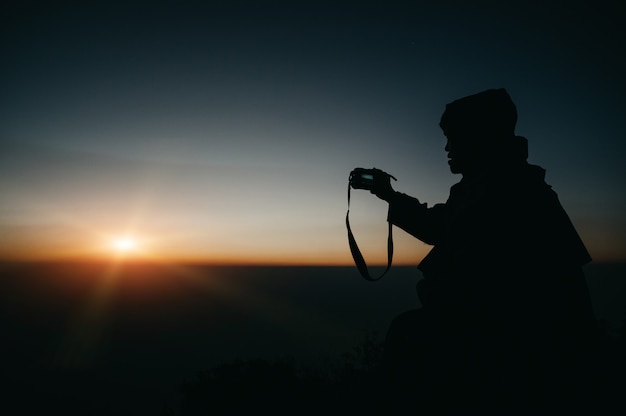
[505, 316]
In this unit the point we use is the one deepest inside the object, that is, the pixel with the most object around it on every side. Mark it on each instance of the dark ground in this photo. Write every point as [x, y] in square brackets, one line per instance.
[92, 339]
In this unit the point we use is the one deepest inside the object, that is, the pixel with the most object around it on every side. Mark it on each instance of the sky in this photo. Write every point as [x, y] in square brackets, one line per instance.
[225, 131]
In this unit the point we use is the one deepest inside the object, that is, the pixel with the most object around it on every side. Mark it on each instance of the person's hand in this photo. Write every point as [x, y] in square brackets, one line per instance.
[381, 186]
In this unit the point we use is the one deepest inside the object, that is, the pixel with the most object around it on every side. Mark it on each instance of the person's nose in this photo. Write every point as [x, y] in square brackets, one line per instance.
[447, 148]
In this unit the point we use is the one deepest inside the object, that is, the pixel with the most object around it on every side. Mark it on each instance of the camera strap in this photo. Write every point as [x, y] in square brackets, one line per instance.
[356, 253]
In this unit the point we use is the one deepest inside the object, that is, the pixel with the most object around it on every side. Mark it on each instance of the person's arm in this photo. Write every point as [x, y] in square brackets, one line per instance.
[416, 218]
[407, 212]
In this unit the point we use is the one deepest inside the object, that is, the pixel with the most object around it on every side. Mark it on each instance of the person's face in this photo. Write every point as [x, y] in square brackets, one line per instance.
[460, 153]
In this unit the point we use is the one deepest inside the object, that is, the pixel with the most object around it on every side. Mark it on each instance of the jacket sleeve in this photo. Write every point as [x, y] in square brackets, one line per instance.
[416, 218]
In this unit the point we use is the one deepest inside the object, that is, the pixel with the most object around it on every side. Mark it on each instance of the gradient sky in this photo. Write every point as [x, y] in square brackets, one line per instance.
[226, 133]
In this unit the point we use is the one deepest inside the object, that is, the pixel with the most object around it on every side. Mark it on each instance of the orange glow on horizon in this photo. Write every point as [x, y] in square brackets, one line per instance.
[141, 244]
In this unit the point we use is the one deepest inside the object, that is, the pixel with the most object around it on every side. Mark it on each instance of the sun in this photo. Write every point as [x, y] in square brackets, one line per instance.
[124, 244]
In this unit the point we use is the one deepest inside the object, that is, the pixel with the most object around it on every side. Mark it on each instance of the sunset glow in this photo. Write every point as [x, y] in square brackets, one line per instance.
[124, 244]
[218, 134]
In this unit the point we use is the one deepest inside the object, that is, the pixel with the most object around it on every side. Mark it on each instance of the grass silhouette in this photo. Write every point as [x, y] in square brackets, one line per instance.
[354, 383]
[285, 385]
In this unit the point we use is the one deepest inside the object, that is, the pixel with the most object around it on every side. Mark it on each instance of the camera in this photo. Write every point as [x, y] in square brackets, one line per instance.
[361, 178]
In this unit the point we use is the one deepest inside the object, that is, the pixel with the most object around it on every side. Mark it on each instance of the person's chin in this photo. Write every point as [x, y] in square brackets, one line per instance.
[454, 168]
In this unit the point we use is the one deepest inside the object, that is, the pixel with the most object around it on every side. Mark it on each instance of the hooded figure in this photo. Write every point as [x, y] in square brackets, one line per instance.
[505, 308]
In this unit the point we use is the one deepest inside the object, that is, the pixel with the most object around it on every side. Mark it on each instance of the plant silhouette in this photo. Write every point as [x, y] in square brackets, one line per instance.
[335, 385]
